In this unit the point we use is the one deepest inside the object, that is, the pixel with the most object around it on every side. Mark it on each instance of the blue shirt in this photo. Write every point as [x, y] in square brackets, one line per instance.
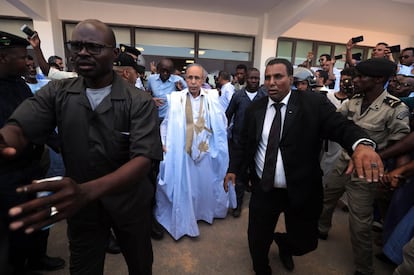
[162, 89]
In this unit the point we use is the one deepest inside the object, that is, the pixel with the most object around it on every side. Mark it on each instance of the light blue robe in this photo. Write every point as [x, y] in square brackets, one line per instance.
[190, 188]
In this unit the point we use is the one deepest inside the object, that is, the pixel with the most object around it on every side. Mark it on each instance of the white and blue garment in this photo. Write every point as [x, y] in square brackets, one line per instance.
[190, 182]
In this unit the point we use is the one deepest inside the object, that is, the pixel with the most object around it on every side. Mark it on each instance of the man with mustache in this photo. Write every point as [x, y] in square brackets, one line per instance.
[280, 145]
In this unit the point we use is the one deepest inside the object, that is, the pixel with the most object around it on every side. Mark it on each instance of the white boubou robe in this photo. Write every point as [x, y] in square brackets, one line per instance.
[190, 182]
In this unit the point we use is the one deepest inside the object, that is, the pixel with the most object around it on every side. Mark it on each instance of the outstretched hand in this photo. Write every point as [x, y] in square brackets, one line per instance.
[66, 199]
[367, 163]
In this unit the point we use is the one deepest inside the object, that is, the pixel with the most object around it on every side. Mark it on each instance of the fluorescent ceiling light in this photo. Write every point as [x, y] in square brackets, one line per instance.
[200, 52]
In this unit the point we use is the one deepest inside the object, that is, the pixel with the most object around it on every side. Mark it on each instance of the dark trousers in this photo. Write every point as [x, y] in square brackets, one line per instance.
[22, 247]
[88, 233]
[265, 207]
[240, 189]
[4, 248]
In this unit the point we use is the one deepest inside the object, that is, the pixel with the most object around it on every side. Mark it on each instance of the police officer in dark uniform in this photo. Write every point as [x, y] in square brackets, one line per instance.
[23, 250]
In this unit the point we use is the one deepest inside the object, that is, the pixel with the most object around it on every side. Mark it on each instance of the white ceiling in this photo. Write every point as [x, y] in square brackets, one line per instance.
[236, 7]
[392, 16]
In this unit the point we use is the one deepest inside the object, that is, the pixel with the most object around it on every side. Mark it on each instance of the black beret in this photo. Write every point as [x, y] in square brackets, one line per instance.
[125, 59]
[8, 40]
[128, 49]
[377, 67]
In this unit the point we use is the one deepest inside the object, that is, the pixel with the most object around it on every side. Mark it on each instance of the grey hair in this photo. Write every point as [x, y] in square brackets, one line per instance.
[197, 65]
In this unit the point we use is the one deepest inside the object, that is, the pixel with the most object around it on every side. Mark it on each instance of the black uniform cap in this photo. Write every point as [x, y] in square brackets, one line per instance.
[377, 67]
[128, 49]
[125, 59]
[8, 40]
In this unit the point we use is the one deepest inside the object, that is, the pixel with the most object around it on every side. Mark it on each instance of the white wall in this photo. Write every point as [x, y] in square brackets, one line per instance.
[7, 9]
[157, 17]
[342, 35]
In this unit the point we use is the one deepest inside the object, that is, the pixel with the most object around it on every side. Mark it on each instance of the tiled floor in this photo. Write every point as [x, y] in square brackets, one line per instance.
[222, 249]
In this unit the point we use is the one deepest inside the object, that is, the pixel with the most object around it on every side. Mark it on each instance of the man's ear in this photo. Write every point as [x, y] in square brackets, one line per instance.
[125, 73]
[291, 80]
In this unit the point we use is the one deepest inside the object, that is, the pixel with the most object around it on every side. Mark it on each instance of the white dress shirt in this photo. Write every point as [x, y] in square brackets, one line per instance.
[280, 177]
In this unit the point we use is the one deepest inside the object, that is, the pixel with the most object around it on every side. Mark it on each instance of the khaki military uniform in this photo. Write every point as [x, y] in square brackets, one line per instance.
[386, 120]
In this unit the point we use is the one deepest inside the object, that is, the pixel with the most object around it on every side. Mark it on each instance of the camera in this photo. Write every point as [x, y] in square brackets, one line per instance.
[357, 39]
[28, 31]
[339, 56]
[395, 49]
[348, 86]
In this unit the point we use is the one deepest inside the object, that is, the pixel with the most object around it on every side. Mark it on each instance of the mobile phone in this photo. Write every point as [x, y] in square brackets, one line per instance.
[395, 49]
[357, 39]
[28, 31]
[339, 56]
[356, 56]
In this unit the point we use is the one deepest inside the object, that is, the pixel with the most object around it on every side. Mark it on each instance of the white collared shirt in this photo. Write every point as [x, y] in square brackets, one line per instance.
[280, 177]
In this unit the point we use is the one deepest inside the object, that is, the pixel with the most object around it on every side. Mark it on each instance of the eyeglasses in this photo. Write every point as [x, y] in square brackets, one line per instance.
[92, 48]
[404, 56]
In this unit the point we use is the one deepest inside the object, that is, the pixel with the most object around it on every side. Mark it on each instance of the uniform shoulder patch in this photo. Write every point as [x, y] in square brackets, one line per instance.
[392, 101]
[403, 114]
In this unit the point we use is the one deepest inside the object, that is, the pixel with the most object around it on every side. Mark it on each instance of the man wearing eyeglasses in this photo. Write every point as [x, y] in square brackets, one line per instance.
[110, 135]
[402, 86]
[407, 62]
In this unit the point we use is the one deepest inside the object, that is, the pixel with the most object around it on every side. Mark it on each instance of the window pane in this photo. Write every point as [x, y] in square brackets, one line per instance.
[302, 49]
[284, 49]
[69, 29]
[340, 50]
[165, 43]
[122, 35]
[370, 52]
[322, 49]
[225, 47]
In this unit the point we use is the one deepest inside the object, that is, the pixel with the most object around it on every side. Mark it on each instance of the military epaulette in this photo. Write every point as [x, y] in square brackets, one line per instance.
[392, 101]
[358, 95]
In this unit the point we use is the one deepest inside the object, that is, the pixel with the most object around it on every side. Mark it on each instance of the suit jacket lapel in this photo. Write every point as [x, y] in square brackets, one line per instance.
[260, 115]
[291, 112]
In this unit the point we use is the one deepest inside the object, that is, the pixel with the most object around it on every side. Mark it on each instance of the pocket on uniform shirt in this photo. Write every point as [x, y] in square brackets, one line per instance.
[120, 145]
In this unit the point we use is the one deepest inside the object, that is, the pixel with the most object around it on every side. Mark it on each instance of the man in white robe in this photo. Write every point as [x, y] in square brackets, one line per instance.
[195, 159]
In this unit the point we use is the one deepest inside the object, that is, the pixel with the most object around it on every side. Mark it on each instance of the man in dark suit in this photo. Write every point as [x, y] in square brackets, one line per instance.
[286, 173]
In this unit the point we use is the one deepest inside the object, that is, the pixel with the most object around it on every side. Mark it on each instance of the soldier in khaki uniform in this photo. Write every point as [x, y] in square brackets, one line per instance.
[386, 120]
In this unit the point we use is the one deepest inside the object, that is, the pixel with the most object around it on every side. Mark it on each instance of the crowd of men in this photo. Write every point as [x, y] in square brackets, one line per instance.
[138, 161]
